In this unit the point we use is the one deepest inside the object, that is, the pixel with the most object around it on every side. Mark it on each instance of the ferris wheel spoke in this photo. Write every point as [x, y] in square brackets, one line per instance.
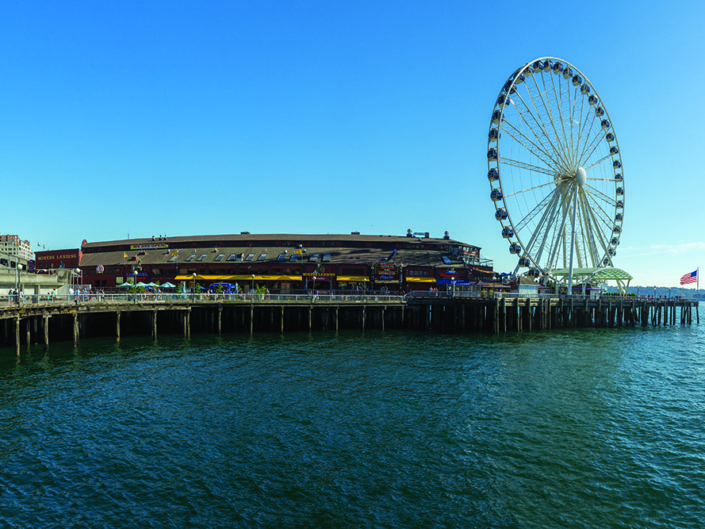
[600, 226]
[568, 131]
[602, 239]
[543, 206]
[597, 194]
[544, 232]
[527, 166]
[598, 201]
[542, 235]
[528, 140]
[559, 238]
[598, 162]
[587, 142]
[539, 137]
[547, 109]
[591, 226]
[575, 141]
[559, 102]
[591, 147]
[528, 189]
[573, 122]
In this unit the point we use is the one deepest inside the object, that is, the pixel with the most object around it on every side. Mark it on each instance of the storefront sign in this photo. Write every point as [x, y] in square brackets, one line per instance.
[149, 246]
[386, 272]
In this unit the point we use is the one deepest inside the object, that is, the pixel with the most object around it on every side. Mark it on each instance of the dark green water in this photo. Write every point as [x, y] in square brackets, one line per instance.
[596, 428]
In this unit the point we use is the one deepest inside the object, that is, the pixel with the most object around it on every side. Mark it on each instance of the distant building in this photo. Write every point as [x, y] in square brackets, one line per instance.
[14, 246]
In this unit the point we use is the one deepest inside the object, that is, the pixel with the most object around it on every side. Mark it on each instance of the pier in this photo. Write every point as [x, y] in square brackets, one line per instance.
[117, 316]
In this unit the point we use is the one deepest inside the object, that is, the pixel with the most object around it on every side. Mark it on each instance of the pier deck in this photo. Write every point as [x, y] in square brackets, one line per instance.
[42, 323]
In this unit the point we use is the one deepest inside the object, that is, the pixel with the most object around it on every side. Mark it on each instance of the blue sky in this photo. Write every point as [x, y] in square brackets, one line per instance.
[185, 118]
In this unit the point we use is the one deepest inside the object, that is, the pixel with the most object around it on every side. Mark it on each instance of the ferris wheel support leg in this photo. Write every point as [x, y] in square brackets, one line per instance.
[572, 241]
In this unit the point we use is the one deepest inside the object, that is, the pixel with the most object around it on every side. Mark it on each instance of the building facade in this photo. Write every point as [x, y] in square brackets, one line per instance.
[47, 261]
[14, 246]
[284, 262]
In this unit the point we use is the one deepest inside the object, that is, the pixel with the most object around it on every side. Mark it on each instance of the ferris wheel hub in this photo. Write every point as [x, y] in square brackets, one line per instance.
[581, 176]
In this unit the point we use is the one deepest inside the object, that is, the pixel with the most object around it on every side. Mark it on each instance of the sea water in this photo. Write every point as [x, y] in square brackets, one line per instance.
[576, 428]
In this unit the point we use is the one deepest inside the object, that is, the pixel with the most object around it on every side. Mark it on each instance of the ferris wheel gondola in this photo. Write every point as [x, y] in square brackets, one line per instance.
[555, 169]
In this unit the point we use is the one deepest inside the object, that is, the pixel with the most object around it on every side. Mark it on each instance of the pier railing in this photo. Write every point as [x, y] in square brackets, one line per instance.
[188, 298]
[364, 297]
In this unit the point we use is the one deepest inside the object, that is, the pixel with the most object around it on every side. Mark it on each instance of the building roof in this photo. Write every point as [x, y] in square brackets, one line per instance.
[245, 237]
[231, 255]
[229, 250]
[595, 274]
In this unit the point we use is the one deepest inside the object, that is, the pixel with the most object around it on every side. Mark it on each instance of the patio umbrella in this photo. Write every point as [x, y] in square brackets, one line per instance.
[168, 285]
[141, 284]
[125, 285]
[152, 285]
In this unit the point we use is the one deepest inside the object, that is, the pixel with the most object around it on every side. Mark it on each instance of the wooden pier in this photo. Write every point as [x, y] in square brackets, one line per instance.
[40, 324]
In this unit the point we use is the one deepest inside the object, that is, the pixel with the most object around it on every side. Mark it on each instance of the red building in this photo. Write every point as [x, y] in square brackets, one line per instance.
[47, 261]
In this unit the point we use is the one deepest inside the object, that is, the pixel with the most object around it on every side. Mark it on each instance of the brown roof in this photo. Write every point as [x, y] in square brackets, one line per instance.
[350, 256]
[284, 237]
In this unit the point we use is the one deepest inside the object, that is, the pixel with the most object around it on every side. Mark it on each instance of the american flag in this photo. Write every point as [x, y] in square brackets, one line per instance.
[692, 277]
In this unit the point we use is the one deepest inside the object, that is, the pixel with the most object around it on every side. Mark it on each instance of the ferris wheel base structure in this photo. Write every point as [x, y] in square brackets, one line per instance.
[556, 175]
[591, 276]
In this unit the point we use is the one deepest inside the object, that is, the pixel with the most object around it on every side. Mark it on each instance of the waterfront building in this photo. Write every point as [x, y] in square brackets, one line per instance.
[14, 246]
[50, 260]
[286, 262]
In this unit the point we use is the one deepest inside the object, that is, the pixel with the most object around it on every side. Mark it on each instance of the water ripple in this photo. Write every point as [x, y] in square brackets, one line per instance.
[602, 428]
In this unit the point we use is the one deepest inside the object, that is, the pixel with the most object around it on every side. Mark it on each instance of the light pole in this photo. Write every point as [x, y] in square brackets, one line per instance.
[194, 286]
[253, 285]
[18, 268]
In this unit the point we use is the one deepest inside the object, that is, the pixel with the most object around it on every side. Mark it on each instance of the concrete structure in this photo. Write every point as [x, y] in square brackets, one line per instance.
[34, 286]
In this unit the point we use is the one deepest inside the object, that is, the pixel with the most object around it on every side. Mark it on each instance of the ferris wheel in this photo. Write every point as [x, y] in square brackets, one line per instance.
[555, 170]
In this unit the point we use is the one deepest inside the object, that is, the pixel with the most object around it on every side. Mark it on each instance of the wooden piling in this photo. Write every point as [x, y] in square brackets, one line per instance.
[45, 325]
[17, 335]
[75, 329]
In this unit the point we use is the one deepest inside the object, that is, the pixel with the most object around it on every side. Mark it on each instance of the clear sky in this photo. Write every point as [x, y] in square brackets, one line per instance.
[187, 118]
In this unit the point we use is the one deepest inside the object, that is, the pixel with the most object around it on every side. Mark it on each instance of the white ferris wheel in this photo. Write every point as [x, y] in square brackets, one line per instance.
[555, 170]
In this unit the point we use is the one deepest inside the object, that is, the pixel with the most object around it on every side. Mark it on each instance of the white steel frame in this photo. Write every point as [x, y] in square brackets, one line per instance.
[555, 169]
